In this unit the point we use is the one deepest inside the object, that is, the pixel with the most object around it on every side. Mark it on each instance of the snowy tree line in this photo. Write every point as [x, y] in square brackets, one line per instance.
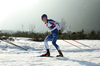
[93, 35]
[41, 36]
[66, 33]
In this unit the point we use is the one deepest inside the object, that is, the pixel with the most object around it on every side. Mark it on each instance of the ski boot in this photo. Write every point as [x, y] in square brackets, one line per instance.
[46, 55]
[60, 54]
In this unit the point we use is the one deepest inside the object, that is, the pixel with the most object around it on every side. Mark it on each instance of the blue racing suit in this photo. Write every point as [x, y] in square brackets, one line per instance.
[51, 24]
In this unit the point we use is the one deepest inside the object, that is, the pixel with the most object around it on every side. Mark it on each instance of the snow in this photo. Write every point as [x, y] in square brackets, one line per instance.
[11, 55]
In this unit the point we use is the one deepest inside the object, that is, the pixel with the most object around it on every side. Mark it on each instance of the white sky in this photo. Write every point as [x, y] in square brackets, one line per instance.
[79, 14]
[7, 7]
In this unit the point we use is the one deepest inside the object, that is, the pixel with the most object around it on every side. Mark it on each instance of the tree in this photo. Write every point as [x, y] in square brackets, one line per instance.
[73, 36]
[31, 28]
[98, 34]
[81, 35]
[22, 27]
[63, 25]
[93, 35]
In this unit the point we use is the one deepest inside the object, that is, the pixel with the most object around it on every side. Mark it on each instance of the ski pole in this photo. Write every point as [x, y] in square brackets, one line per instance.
[83, 44]
[73, 44]
[15, 45]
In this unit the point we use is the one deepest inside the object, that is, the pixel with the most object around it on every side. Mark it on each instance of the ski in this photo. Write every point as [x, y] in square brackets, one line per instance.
[15, 45]
[48, 56]
[73, 44]
[44, 56]
[97, 57]
[82, 44]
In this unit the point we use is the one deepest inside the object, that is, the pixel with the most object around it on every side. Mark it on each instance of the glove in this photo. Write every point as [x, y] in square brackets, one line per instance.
[60, 32]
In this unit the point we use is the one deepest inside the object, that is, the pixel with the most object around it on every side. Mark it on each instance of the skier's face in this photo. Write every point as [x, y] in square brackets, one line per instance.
[44, 19]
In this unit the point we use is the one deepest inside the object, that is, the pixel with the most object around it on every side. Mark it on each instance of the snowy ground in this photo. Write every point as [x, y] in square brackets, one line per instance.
[13, 56]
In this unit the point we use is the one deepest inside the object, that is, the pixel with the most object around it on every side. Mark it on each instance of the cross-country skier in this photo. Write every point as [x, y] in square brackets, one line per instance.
[51, 24]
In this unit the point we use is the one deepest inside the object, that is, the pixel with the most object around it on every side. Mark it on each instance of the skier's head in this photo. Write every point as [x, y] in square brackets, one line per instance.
[44, 18]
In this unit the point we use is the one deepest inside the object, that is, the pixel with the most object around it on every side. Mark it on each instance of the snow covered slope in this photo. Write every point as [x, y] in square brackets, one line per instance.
[13, 56]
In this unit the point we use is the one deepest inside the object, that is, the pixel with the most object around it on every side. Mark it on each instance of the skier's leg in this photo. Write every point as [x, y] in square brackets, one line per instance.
[55, 36]
[48, 38]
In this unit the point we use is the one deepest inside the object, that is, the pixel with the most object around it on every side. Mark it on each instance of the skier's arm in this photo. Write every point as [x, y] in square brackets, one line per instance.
[58, 25]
